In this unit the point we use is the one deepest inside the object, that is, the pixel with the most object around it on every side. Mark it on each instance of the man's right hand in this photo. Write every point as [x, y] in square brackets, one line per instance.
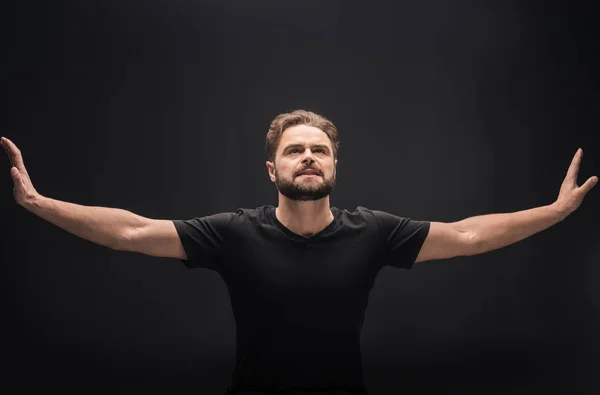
[110, 227]
[23, 191]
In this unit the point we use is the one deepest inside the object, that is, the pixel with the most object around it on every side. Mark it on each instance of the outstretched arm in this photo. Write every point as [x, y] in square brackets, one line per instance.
[114, 228]
[484, 233]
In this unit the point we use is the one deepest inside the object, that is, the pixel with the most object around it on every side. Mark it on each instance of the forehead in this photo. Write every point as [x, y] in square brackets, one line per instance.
[303, 134]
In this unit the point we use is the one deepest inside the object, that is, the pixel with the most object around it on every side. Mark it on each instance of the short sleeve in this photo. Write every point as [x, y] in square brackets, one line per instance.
[402, 238]
[202, 238]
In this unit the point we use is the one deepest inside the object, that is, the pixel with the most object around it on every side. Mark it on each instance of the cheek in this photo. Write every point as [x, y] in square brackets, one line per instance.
[283, 171]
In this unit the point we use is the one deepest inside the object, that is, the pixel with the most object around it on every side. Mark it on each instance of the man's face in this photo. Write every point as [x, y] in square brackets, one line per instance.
[303, 147]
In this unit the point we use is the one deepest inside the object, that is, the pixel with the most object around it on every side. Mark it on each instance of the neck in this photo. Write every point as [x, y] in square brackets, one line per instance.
[304, 218]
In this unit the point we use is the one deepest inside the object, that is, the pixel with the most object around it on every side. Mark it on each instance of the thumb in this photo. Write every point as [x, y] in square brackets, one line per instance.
[589, 184]
[14, 172]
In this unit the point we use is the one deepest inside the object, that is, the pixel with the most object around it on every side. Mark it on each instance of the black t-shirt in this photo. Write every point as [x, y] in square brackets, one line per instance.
[299, 302]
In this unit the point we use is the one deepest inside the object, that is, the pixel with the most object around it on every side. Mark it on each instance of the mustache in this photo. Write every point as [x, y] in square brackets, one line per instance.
[319, 172]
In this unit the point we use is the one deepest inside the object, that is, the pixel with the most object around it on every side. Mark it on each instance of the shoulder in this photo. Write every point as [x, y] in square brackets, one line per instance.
[359, 217]
[387, 222]
[364, 213]
[359, 211]
[259, 213]
[225, 218]
[248, 217]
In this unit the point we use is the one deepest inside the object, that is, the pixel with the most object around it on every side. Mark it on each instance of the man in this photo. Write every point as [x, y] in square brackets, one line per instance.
[299, 274]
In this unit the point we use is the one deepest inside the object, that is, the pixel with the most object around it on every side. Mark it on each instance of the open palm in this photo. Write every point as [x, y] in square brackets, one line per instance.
[571, 196]
[23, 190]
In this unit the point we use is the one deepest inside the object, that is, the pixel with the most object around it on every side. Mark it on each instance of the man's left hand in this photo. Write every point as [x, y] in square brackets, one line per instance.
[571, 195]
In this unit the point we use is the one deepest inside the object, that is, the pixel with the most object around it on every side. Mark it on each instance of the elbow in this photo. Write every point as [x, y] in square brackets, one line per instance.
[122, 242]
[475, 245]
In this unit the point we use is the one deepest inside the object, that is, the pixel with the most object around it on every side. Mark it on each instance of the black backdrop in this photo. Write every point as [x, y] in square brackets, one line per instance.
[445, 109]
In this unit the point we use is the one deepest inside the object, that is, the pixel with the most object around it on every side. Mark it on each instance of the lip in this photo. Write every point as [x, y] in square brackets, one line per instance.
[309, 175]
[316, 173]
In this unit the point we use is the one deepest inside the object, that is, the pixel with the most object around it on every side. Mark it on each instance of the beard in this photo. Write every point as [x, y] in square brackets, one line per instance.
[305, 189]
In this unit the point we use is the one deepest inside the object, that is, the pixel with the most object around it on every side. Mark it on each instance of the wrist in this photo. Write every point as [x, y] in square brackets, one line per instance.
[559, 210]
[34, 202]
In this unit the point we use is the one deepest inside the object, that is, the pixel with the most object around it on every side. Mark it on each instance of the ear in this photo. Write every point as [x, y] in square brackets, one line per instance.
[271, 170]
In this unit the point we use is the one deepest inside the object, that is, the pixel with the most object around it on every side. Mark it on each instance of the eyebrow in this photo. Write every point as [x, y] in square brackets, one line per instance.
[301, 145]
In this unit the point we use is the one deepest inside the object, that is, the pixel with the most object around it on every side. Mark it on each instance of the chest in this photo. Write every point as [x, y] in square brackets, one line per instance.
[303, 272]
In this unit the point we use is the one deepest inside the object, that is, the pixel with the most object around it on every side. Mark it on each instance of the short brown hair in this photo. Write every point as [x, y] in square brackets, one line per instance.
[299, 117]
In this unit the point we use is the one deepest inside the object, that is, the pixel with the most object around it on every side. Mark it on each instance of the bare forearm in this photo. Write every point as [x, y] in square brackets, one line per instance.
[101, 225]
[495, 231]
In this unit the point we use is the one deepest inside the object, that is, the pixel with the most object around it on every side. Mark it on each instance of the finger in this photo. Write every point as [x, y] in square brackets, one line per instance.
[17, 178]
[5, 145]
[7, 152]
[589, 184]
[573, 171]
[14, 172]
[15, 153]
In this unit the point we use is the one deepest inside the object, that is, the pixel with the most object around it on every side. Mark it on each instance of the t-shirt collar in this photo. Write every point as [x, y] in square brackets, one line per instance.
[318, 236]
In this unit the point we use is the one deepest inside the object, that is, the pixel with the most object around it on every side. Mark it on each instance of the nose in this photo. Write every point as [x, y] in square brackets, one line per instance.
[308, 158]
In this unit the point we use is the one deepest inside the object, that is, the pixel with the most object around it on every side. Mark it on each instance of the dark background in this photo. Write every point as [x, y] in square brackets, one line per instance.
[446, 110]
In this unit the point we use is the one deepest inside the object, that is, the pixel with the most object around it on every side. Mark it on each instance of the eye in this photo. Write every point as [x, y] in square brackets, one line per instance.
[297, 150]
